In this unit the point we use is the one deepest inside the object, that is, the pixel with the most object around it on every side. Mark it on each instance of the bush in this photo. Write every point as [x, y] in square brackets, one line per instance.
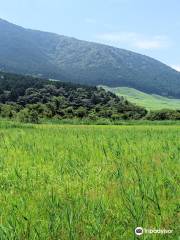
[28, 116]
[81, 112]
[7, 111]
[164, 114]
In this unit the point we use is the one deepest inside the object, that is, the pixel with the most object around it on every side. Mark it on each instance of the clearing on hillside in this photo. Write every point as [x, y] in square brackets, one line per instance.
[150, 102]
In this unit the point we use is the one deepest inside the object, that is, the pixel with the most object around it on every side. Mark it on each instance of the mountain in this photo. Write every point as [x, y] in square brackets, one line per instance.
[59, 57]
[148, 101]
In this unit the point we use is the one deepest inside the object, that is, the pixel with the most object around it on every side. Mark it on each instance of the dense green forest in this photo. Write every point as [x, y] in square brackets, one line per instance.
[68, 59]
[29, 99]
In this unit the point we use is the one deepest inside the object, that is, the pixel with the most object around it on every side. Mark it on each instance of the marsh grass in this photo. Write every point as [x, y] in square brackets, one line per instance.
[88, 182]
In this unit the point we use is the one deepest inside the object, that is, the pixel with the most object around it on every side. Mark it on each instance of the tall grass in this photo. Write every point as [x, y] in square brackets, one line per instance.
[88, 182]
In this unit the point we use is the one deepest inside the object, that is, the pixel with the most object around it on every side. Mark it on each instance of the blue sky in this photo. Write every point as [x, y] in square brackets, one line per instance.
[150, 27]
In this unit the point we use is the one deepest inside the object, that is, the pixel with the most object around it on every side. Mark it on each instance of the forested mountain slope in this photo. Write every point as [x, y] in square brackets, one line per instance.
[68, 59]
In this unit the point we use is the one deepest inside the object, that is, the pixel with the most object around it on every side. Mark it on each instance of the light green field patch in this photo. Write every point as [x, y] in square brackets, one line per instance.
[150, 102]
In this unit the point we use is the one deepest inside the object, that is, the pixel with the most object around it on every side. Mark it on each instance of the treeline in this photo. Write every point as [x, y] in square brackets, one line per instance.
[30, 99]
[164, 114]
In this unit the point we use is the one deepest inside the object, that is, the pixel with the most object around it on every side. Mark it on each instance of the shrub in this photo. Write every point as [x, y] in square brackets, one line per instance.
[28, 116]
[164, 114]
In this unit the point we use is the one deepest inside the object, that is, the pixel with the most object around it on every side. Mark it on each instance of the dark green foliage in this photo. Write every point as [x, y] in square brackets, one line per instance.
[28, 115]
[164, 114]
[29, 99]
[59, 57]
[9, 110]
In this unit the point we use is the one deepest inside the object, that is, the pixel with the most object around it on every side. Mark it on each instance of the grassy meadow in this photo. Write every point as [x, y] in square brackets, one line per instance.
[149, 101]
[88, 182]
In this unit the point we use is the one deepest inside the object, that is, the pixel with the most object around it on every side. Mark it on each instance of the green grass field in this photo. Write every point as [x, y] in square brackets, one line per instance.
[150, 102]
[88, 182]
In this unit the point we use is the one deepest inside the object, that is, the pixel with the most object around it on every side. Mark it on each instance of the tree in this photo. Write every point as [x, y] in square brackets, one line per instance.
[28, 116]
[81, 112]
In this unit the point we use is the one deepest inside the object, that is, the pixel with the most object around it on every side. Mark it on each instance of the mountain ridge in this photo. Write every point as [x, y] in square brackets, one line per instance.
[64, 58]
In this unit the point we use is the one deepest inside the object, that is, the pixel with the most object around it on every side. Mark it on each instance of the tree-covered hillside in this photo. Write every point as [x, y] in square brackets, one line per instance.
[29, 98]
[68, 59]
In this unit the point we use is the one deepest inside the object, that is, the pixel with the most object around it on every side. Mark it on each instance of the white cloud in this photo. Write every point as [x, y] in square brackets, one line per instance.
[134, 40]
[150, 44]
[176, 67]
[117, 37]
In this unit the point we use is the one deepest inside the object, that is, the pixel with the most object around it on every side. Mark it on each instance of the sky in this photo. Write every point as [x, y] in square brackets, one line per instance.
[150, 27]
